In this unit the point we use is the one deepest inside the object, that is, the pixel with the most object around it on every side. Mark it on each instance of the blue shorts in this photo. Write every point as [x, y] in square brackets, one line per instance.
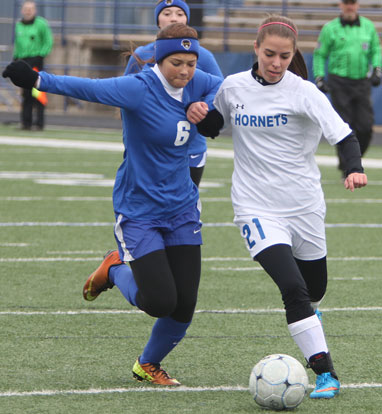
[198, 160]
[138, 238]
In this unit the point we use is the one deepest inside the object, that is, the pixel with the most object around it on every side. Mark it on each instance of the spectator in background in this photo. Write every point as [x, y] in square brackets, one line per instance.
[351, 45]
[168, 12]
[33, 42]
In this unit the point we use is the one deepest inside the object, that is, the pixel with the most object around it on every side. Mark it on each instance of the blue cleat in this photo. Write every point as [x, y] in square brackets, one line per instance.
[326, 386]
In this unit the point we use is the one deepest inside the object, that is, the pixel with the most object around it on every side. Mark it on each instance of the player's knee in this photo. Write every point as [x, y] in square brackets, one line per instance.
[184, 312]
[297, 302]
[159, 306]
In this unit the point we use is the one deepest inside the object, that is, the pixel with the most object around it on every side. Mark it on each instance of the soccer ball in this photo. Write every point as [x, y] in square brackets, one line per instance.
[278, 382]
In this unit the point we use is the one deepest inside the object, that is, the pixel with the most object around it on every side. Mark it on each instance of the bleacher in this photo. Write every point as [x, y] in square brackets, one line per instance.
[236, 28]
[90, 36]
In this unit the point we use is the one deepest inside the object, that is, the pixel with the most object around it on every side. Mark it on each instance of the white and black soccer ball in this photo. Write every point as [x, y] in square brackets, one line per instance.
[278, 382]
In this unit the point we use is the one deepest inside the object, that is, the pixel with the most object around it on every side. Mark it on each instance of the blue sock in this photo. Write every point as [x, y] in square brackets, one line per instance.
[122, 277]
[166, 334]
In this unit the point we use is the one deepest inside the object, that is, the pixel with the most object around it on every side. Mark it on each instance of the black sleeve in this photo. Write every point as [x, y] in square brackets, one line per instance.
[350, 154]
[211, 124]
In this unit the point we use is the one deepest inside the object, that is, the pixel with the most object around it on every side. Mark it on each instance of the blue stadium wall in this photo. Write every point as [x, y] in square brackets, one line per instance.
[237, 62]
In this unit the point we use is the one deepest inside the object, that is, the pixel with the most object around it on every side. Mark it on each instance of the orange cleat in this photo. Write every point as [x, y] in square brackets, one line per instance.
[99, 281]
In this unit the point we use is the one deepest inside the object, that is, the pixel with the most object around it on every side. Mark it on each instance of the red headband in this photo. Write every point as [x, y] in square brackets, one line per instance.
[283, 24]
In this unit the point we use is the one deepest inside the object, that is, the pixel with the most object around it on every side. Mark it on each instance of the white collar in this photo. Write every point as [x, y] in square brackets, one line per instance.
[176, 93]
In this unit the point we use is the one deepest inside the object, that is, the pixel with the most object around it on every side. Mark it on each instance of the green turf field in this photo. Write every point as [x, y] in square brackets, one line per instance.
[60, 354]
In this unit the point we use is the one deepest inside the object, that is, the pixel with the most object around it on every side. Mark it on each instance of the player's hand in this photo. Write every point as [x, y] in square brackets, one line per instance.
[196, 112]
[21, 74]
[355, 180]
[376, 76]
[321, 84]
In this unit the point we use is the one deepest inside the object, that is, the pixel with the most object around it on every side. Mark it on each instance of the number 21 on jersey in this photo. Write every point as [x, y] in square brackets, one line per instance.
[252, 233]
[183, 133]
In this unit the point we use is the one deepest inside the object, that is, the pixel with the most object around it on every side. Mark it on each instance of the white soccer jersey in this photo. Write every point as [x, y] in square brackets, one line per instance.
[276, 130]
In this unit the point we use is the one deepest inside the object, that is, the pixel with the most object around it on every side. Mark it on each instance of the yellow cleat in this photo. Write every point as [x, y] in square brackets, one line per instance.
[153, 373]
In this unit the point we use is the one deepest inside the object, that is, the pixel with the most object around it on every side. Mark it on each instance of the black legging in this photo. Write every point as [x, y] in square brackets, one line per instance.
[300, 282]
[196, 174]
[168, 282]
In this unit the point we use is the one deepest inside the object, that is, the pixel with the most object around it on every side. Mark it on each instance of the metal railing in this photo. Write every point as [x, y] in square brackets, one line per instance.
[119, 17]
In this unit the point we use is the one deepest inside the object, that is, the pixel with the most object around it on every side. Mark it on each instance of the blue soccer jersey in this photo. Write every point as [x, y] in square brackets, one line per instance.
[206, 63]
[153, 180]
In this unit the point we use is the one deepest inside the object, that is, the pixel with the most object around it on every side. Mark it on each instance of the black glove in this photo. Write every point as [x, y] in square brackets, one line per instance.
[21, 74]
[321, 84]
[375, 78]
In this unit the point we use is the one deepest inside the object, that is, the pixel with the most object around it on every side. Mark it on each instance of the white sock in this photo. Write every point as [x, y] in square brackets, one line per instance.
[309, 336]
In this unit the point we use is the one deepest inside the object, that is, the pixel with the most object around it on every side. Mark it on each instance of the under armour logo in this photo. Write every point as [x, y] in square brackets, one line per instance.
[239, 106]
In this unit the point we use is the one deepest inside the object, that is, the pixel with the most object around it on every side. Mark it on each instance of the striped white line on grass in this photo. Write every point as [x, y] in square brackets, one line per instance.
[104, 224]
[199, 311]
[62, 143]
[14, 244]
[354, 200]
[240, 259]
[204, 199]
[49, 259]
[206, 259]
[324, 160]
[25, 198]
[97, 391]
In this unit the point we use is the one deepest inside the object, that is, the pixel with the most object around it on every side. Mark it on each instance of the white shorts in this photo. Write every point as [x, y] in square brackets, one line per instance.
[305, 234]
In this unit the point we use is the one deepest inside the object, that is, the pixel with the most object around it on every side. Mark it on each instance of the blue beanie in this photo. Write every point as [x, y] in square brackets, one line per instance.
[172, 3]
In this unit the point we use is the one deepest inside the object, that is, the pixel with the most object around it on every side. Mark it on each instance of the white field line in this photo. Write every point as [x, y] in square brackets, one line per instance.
[97, 391]
[203, 199]
[105, 224]
[198, 311]
[233, 259]
[118, 147]
[99, 258]
[206, 259]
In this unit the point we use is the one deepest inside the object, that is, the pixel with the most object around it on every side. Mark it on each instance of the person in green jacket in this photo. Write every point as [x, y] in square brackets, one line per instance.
[33, 42]
[350, 47]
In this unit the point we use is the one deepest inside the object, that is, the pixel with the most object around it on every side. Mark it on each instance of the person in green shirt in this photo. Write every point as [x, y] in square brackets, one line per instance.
[33, 42]
[349, 45]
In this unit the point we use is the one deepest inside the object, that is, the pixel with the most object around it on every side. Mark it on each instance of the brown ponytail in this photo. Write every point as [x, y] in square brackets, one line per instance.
[298, 65]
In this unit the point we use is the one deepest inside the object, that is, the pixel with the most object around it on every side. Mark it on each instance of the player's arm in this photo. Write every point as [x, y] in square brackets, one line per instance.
[123, 92]
[208, 123]
[211, 125]
[350, 153]
[207, 63]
